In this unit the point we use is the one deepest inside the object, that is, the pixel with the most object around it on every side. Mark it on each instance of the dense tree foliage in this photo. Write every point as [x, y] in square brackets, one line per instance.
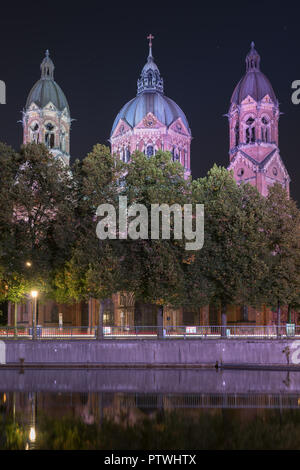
[48, 240]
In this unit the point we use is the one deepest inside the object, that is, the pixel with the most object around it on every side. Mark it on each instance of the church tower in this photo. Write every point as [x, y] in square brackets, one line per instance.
[151, 121]
[253, 130]
[46, 117]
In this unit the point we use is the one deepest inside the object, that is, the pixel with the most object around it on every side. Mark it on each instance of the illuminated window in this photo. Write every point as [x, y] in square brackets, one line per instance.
[250, 130]
[49, 135]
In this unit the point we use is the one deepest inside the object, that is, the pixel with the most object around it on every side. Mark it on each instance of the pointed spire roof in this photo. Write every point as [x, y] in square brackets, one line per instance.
[254, 83]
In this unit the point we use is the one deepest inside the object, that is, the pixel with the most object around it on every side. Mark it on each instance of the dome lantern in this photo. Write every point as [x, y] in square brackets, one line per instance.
[252, 59]
[150, 78]
[47, 67]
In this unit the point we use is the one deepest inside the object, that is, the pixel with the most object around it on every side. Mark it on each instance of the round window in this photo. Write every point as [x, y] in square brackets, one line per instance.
[275, 171]
[240, 172]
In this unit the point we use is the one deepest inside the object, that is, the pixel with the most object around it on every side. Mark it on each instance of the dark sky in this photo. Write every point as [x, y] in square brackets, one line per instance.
[100, 48]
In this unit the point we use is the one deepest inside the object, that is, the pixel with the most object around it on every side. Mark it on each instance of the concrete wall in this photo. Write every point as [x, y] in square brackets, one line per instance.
[154, 352]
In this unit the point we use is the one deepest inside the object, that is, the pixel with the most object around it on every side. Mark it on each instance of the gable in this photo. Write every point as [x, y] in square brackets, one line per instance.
[121, 129]
[179, 127]
[150, 121]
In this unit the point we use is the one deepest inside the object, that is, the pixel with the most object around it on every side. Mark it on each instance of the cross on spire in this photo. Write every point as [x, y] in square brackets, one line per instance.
[150, 37]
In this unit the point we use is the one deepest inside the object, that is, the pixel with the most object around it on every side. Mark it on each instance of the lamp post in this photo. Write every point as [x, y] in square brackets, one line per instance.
[34, 295]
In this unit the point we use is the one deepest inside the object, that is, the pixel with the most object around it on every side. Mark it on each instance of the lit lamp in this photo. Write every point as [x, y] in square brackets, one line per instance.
[28, 264]
[32, 434]
[34, 295]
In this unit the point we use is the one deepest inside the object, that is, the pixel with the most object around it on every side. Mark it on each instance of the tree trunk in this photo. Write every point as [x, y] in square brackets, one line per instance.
[278, 319]
[223, 320]
[100, 334]
[289, 313]
[16, 321]
[160, 322]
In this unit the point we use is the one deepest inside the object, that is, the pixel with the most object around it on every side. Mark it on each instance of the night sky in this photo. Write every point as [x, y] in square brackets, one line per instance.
[99, 49]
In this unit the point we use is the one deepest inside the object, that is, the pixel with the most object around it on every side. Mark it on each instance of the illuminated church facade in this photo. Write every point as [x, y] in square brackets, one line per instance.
[253, 130]
[149, 122]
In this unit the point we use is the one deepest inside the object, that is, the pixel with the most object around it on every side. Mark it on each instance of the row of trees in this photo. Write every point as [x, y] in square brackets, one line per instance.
[251, 252]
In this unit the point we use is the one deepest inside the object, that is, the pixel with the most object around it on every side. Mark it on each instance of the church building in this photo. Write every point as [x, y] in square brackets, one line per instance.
[149, 122]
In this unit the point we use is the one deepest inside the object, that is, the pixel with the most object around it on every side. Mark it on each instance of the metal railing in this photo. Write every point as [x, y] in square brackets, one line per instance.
[144, 332]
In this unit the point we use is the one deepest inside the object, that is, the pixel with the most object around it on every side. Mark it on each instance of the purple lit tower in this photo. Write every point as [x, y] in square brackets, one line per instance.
[253, 126]
[151, 121]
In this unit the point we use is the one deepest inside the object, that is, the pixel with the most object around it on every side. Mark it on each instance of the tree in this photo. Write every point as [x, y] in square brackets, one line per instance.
[93, 268]
[37, 214]
[281, 286]
[233, 257]
[155, 267]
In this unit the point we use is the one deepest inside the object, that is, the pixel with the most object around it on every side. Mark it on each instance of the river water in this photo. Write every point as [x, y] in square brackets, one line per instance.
[149, 409]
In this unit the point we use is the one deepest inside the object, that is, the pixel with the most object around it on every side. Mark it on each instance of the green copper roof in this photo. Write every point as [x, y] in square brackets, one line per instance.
[46, 89]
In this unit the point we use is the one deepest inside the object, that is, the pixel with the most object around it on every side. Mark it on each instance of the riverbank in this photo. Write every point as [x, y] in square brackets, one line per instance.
[191, 353]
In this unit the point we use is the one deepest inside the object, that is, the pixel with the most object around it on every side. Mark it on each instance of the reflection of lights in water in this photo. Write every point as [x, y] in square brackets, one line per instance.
[4, 397]
[32, 434]
[299, 401]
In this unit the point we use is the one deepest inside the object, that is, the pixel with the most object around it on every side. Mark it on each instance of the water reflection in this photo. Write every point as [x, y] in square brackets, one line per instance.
[182, 409]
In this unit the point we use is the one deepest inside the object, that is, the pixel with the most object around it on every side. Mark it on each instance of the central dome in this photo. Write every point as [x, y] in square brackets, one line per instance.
[165, 109]
[150, 99]
[151, 121]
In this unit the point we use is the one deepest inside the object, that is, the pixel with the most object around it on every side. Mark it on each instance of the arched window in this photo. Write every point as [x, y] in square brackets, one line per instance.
[63, 141]
[34, 133]
[250, 130]
[265, 129]
[175, 153]
[49, 135]
[237, 134]
[150, 151]
[185, 159]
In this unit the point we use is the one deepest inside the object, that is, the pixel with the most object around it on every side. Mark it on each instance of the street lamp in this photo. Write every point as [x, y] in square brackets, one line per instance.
[34, 295]
[32, 434]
